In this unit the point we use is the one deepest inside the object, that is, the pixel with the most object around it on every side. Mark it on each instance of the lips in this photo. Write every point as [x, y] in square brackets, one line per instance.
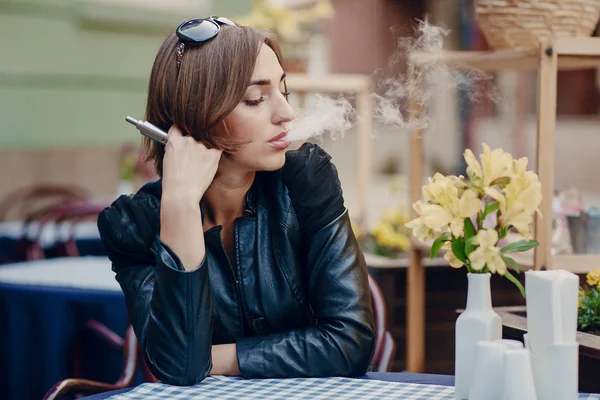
[278, 137]
[279, 141]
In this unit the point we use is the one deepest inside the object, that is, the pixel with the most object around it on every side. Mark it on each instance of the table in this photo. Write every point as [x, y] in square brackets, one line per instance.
[392, 385]
[43, 305]
[442, 380]
[85, 233]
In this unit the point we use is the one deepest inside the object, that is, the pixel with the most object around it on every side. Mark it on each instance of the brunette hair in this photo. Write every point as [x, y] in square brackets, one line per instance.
[209, 82]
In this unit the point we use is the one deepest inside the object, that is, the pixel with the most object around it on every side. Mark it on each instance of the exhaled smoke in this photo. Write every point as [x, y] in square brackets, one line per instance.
[394, 90]
[324, 115]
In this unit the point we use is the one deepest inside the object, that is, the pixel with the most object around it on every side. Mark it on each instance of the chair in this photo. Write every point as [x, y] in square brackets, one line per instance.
[385, 346]
[85, 386]
[32, 198]
[71, 213]
[383, 356]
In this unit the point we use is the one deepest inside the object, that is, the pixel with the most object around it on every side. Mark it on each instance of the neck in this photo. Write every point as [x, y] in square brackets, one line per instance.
[225, 199]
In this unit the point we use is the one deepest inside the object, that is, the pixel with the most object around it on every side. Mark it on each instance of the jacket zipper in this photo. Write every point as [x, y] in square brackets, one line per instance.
[233, 273]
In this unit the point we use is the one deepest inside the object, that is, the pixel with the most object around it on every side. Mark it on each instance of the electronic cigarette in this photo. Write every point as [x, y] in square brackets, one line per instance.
[149, 130]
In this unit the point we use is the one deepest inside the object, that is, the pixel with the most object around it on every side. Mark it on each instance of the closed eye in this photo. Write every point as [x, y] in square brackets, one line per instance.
[253, 103]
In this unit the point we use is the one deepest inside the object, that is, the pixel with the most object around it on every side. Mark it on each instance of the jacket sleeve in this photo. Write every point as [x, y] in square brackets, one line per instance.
[341, 342]
[169, 308]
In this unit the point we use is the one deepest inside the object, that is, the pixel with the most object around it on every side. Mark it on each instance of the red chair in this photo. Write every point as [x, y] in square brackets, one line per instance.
[385, 346]
[71, 213]
[85, 386]
[36, 197]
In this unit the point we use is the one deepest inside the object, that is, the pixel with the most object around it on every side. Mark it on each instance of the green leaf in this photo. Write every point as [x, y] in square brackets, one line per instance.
[503, 180]
[511, 262]
[470, 234]
[503, 232]
[518, 246]
[469, 229]
[458, 248]
[491, 208]
[514, 280]
[438, 243]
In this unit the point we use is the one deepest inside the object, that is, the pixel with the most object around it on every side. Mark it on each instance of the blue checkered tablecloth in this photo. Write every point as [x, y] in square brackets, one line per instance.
[223, 388]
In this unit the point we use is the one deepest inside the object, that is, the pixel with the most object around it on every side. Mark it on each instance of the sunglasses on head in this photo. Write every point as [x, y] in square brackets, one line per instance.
[198, 31]
[201, 29]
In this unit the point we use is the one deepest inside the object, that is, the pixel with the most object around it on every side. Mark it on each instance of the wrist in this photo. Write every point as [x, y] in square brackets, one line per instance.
[179, 200]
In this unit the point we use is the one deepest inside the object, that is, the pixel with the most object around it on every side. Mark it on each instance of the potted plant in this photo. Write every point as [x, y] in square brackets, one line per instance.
[588, 318]
[389, 237]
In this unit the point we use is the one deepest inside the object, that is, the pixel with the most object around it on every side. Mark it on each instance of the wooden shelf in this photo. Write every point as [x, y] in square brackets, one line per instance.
[576, 263]
[374, 261]
[332, 83]
[552, 55]
[573, 53]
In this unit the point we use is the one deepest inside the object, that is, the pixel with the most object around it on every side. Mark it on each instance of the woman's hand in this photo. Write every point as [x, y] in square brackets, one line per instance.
[188, 170]
[189, 167]
[224, 359]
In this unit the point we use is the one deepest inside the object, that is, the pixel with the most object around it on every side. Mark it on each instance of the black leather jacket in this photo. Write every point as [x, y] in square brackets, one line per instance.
[296, 302]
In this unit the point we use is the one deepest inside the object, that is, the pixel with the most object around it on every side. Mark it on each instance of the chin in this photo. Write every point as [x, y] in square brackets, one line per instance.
[272, 163]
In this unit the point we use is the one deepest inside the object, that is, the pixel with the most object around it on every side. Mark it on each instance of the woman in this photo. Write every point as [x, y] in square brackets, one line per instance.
[241, 259]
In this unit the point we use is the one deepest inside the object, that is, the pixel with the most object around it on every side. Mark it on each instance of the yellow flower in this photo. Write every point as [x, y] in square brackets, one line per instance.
[434, 216]
[444, 192]
[421, 227]
[593, 277]
[494, 164]
[387, 236]
[441, 190]
[395, 216]
[468, 206]
[521, 198]
[474, 171]
[450, 257]
[487, 253]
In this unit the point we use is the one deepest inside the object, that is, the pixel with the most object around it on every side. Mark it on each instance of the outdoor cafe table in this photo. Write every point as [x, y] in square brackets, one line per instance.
[374, 385]
[85, 234]
[43, 305]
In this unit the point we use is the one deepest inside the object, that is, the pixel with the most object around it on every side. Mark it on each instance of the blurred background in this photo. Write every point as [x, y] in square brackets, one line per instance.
[71, 70]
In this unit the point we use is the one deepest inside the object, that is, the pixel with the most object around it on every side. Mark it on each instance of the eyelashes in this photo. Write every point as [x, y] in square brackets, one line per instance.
[254, 103]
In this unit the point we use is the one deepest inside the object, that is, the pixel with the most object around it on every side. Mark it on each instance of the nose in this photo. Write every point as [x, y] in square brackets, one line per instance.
[284, 112]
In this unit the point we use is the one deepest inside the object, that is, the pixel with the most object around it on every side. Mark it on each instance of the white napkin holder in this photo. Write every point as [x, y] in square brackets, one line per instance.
[552, 331]
[502, 371]
[555, 370]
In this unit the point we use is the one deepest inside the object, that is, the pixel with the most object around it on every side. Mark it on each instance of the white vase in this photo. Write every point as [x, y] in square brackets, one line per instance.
[478, 322]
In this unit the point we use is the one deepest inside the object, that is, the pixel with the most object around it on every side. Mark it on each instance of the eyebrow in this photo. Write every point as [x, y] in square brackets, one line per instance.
[266, 82]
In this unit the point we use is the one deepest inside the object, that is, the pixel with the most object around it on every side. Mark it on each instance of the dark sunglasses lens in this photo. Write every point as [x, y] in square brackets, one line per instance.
[198, 30]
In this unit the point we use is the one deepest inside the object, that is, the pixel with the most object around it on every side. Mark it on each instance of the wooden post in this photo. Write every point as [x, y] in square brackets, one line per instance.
[415, 282]
[364, 149]
[547, 82]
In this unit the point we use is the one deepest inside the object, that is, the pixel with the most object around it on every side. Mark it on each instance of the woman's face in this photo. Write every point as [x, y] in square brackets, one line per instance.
[262, 117]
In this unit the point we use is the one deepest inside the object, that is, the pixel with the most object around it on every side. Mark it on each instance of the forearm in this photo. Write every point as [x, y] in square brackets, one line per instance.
[224, 360]
[335, 349]
[181, 229]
